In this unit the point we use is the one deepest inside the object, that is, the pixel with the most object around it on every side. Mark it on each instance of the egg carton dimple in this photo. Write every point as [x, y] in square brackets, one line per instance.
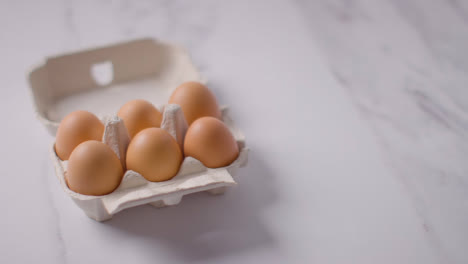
[146, 69]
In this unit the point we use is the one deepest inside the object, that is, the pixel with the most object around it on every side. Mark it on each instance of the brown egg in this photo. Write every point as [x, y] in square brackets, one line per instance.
[210, 141]
[93, 169]
[155, 154]
[196, 101]
[75, 128]
[138, 115]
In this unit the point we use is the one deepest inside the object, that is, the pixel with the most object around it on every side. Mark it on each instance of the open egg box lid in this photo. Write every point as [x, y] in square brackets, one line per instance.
[101, 80]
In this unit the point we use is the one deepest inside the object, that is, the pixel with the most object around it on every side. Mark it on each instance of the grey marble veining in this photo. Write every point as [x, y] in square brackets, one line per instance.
[405, 66]
[356, 113]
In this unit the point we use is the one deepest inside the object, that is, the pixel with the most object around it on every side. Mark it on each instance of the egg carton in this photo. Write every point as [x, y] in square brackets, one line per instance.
[101, 80]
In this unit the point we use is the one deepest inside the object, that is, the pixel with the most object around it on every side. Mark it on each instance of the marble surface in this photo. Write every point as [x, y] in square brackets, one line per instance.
[356, 113]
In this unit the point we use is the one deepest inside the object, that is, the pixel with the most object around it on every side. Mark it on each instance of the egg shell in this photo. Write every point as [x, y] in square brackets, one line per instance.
[75, 128]
[155, 154]
[196, 101]
[139, 114]
[210, 141]
[93, 169]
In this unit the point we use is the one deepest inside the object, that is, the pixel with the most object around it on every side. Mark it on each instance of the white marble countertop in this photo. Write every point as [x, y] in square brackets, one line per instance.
[356, 113]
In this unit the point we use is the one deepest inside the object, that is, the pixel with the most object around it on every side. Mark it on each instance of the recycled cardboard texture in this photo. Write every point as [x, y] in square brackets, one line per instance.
[139, 69]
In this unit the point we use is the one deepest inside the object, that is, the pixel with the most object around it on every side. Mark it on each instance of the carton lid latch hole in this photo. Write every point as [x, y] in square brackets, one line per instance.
[103, 72]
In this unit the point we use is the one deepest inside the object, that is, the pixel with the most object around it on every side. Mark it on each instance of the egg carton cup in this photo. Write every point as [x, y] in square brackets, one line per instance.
[145, 69]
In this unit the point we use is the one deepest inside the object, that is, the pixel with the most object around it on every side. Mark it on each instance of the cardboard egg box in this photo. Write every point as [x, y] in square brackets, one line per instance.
[101, 80]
